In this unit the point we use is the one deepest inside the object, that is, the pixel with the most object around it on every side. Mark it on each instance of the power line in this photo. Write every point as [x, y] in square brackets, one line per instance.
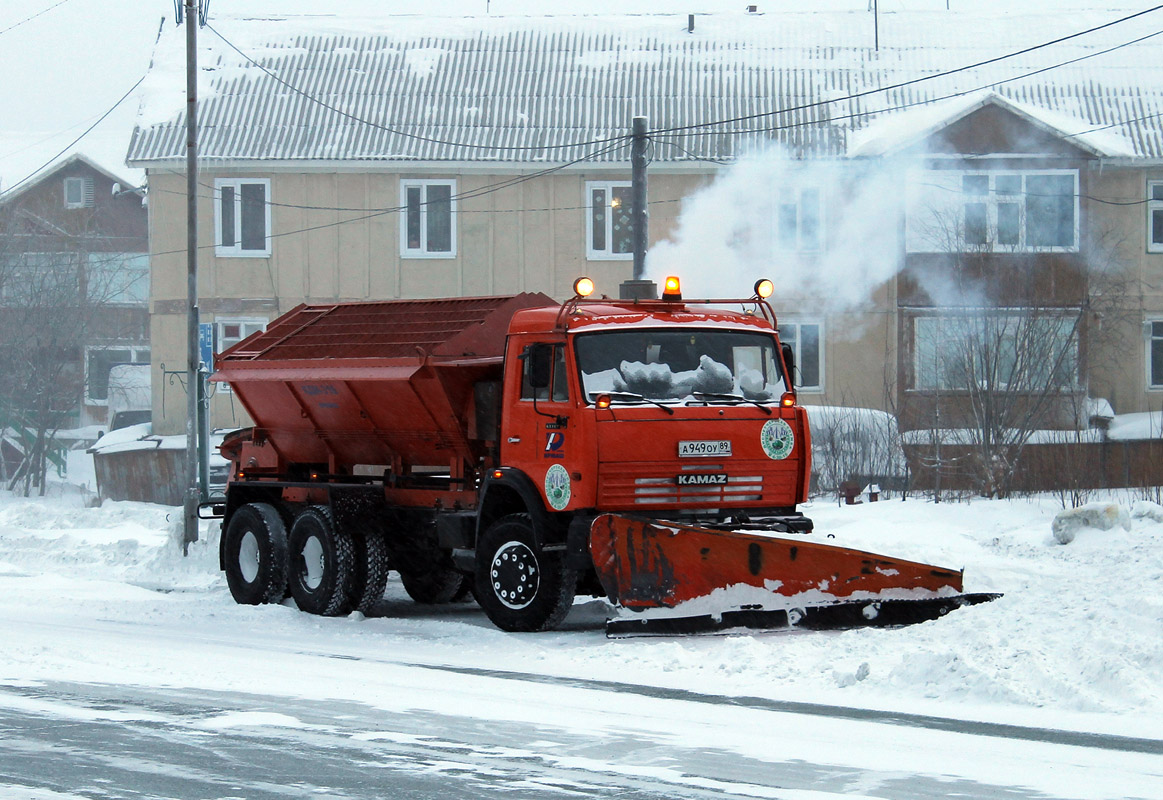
[911, 81]
[69, 146]
[470, 194]
[397, 132]
[34, 16]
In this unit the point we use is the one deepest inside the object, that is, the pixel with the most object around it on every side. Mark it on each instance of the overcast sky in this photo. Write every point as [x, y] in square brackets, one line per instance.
[64, 63]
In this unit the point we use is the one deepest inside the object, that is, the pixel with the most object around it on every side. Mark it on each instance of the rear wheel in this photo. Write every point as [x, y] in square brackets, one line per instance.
[322, 563]
[520, 586]
[371, 571]
[255, 554]
[440, 585]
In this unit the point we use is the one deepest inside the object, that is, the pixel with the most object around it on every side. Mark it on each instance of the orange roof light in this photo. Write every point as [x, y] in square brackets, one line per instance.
[583, 287]
[787, 400]
[672, 290]
[764, 288]
[602, 401]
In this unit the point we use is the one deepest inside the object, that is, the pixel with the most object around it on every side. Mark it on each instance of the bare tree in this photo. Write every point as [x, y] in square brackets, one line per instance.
[55, 288]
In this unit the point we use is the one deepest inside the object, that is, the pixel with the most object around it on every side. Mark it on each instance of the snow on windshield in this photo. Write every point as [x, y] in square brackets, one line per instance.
[678, 364]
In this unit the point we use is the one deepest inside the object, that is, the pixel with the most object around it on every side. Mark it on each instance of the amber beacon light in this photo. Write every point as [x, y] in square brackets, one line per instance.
[671, 290]
[583, 287]
[764, 288]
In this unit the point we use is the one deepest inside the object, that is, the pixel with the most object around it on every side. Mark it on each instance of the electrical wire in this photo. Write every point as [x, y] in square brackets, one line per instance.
[69, 146]
[911, 81]
[34, 16]
[397, 132]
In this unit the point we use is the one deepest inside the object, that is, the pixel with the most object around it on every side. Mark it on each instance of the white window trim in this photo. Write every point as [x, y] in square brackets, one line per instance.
[591, 253]
[237, 251]
[137, 349]
[422, 251]
[74, 181]
[262, 322]
[797, 191]
[819, 323]
[1148, 325]
[1153, 205]
[1009, 314]
[992, 202]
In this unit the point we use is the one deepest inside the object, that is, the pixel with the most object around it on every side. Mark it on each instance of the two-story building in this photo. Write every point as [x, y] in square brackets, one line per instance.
[973, 199]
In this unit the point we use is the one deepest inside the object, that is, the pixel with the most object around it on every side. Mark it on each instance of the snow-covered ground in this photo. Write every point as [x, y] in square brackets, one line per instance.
[1076, 643]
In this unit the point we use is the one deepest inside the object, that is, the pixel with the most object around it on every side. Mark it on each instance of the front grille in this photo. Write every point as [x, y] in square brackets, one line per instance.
[646, 485]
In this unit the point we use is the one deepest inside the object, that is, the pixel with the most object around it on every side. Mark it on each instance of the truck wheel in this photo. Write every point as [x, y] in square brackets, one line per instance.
[255, 550]
[322, 563]
[439, 586]
[521, 587]
[371, 571]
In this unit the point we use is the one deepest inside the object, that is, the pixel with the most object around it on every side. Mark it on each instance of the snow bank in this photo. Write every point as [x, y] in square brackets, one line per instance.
[104, 594]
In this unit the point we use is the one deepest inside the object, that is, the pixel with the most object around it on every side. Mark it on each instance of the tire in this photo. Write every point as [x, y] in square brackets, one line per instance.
[436, 587]
[521, 587]
[371, 571]
[322, 563]
[255, 555]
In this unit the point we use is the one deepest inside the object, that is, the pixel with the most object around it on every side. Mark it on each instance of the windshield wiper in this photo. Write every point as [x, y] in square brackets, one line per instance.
[735, 398]
[639, 398]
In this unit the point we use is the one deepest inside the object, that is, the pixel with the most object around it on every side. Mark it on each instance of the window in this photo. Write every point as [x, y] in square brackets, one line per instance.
[806, 341]
[558, 388]
[610, 221]
[797, 222]
[78, 192]
[229, 332]
[1155, 216]
[995, 352]
[242, 217]
[428, 224]
[1155, 354]
[994, 211]
[99, 361]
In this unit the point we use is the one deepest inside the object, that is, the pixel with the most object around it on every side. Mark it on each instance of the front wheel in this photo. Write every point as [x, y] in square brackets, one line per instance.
[520, 586]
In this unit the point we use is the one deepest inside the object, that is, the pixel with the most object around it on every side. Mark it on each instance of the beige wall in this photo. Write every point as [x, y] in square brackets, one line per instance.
[317, 255]
[1132, 277]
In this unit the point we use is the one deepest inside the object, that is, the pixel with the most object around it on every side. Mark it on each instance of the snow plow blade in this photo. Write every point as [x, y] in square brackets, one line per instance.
[699, 579]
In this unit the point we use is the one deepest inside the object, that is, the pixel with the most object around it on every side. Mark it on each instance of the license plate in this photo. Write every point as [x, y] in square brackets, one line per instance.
[702, 479]
[714, 447]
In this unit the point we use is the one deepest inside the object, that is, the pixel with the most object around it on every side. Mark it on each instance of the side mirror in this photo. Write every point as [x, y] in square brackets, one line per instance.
[789, 361]
[538, 364]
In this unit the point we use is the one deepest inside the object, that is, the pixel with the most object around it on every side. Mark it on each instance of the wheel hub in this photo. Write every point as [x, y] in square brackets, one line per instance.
[514, 574]
[312, 568]
[248, 557]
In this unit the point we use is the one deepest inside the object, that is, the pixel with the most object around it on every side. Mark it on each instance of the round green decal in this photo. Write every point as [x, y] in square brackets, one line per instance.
[557, 487]
[777, 439]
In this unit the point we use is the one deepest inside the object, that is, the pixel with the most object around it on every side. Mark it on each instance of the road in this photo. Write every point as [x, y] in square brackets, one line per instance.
[599, 739]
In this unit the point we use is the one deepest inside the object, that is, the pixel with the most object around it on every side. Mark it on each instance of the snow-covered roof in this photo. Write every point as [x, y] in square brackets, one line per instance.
[553, 89]
[57, 166]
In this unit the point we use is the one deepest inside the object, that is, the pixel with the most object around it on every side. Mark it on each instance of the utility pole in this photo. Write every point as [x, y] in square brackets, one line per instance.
[638, 287]
[193, 374]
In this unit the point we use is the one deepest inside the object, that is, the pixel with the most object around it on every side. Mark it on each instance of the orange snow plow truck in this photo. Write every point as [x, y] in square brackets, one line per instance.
[651, 451]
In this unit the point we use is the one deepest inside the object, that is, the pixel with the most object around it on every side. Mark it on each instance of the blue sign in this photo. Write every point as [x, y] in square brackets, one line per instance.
[206, 343]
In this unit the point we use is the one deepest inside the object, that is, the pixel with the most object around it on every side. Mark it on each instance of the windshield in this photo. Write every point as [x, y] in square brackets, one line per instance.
[679, 363]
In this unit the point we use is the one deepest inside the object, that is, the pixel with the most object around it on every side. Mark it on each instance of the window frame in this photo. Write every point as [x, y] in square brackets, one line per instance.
[262, 322]
[797, 348]
[605, 254]
[1150, 338]
[236, 250]
[423, 184]
[1153, 205]
[1007, 315]
[135, 349]
[781, 201]
[80, 183]
[995, 199]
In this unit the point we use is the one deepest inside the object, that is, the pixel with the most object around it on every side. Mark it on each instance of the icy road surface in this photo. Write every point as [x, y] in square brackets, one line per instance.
[127, 671]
